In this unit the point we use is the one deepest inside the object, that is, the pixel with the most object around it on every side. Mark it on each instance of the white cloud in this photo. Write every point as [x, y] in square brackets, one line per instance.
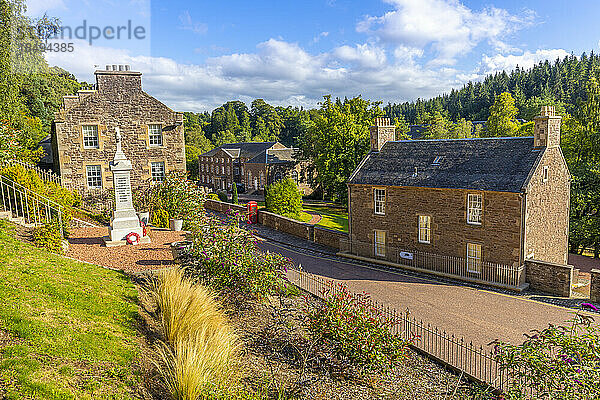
[527, 59]
[320, 36]
[361, 54]
[448, 26]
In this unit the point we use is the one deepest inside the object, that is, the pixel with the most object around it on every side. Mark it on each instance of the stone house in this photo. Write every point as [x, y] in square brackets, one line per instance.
[253, 165]
[83, 133]
[482, 201]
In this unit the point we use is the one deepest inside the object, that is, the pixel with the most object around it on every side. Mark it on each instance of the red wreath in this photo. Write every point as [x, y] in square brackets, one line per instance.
[133, 238]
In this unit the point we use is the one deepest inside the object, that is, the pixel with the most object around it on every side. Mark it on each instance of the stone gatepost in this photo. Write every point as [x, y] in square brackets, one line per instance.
[595, 286]
[124, 219]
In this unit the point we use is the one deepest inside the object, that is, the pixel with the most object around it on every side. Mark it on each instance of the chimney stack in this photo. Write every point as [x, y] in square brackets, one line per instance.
[546, 132]
[118, 79]
[383, 131]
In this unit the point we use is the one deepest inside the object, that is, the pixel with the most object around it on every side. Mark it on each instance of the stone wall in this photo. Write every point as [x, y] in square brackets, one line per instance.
[119, 102]
[219, 206]
[548, 277]
[595, 286]
[329, 237]
[547, 210]
[499, 233]
[287, 225]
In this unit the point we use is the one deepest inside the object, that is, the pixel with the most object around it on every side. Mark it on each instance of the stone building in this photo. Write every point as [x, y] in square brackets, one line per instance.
[252, 165]
[83, 133]
[482, 200]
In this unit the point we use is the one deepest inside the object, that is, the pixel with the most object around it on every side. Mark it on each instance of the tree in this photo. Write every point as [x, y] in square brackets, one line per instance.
[284, 198]
[234, 195]
[224, 137]
[502, 121]
[402, 128]
[336, 139]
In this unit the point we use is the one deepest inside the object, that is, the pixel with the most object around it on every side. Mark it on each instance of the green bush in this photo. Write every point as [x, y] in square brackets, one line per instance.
[354, 330]
[222, 196]
[160, 218]
[49, 237]
[212, 196]
[227, 258]
[284, 198]
[559, 362]
[234, 195]
[178, 196]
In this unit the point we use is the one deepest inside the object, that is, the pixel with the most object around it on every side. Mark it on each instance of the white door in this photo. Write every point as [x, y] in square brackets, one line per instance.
[255, 183]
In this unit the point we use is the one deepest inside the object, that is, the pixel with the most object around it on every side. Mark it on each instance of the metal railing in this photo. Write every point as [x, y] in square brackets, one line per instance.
[27, 207]
[475, 363]
[505, 275]
[46, 175]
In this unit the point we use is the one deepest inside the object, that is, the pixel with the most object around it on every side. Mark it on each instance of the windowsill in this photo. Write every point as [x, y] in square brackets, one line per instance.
[377, 214]
[91, 148]
[424, 242]
[474, 223]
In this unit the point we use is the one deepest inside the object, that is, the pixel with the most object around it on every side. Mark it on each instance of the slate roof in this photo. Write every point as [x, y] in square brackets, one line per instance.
[496, 164]
[245, 150]
[275, 156]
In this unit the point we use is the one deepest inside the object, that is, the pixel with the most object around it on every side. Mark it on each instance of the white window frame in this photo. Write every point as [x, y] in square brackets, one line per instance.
[474, 258]
[379, 201]
[474, 209]
[379, 243]
[95, 176]
[425, 229]
[155, 135]
[154, 173]
[545, 173]
[90, 136]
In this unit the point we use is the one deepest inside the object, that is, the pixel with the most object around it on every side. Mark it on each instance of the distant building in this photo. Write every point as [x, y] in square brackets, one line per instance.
[493, 200]
[253, 165]
[83, 133]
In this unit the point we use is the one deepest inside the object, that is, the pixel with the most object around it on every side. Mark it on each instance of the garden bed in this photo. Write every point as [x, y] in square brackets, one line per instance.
[279, 360]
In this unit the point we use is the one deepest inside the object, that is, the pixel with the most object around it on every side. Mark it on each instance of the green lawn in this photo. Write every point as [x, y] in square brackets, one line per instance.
[333, 218]
[67, 329]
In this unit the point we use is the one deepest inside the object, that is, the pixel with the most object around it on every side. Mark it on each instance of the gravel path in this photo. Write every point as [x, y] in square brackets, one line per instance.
[316, 218]
[86, 244]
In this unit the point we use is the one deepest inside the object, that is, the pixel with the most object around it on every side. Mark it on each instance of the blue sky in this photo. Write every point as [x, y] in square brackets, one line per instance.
[199, 54]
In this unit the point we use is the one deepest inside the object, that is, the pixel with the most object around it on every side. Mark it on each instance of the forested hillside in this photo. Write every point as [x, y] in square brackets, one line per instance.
[563, 80]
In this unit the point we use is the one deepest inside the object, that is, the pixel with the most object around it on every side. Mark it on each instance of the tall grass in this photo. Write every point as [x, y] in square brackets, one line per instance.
[200, 351]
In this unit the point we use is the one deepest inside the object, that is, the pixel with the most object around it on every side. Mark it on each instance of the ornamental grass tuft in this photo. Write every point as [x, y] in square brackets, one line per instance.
[200, 348]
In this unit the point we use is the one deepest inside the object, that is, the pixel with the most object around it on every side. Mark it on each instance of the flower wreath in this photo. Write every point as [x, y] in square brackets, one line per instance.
[133, 238]
[144, 228]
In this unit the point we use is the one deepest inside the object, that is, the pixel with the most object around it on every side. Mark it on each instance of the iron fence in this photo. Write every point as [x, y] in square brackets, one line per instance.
[474, 362]
[486, 272]
[45, 175]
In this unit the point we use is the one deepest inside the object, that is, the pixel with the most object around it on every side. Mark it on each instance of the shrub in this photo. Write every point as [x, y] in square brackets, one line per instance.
[201, 345]
[355, 330]
[222, 196]
[226, 257]
[160, 218]
[284, 198]
[212, 196]
[234, 195]
[142, 198]
[559, 362]
[49, 237]
[179, 197]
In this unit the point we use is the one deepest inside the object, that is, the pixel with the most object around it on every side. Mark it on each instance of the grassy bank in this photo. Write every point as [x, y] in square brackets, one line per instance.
[67, 329]
[332, 218]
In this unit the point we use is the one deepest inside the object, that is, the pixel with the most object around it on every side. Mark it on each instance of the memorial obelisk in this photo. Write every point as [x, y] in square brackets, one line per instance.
[124, 221]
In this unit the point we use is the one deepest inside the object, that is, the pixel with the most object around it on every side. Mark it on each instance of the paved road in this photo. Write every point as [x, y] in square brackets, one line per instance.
[478, 315]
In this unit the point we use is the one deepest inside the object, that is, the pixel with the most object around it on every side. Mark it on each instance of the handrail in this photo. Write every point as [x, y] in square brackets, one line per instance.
[31, 206]
[46, 175]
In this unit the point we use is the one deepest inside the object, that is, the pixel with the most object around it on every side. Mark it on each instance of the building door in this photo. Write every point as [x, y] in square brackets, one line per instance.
[474, 258]
[255, 183]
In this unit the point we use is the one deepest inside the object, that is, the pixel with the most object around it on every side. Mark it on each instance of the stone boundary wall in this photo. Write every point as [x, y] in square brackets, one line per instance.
[219, 206]
[287, 225]
[595, 286]
[551, 278]
[329, 237]
[323, 236]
